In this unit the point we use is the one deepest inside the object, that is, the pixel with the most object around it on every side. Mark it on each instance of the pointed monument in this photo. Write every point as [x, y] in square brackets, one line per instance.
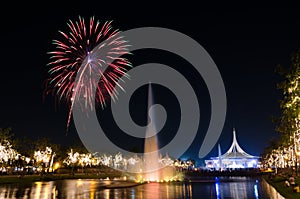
[235, 157]
[220, 158]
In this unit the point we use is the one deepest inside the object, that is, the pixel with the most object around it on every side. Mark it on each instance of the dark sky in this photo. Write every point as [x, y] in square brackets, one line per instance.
[246, 45]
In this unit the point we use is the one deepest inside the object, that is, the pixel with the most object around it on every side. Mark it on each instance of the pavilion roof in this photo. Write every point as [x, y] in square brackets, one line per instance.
[235, 151]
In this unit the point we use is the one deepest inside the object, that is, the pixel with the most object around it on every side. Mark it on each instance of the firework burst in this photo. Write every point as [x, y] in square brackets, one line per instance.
[78, 64]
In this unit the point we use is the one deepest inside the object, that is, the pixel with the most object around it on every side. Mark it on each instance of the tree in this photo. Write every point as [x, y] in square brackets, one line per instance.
[288, 124]
[8, 155]
[6, 135]
[78, 146]
[45, 152]
[26, 145]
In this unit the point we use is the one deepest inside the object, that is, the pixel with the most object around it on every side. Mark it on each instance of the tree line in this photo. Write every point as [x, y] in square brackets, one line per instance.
[284, 151]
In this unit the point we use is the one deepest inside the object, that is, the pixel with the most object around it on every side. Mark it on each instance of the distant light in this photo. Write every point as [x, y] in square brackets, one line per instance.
[256, 191]
[56, 166]
[217, 190]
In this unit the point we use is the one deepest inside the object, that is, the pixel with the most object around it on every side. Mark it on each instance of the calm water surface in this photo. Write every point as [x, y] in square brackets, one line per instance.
[235, 187]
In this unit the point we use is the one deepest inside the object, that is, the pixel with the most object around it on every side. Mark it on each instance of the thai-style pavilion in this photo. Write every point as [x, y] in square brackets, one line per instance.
[234, 158]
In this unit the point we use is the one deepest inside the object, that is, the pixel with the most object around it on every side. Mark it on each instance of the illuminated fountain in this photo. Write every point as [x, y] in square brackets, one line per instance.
[149, 167]
[155, 167]
[151, 156]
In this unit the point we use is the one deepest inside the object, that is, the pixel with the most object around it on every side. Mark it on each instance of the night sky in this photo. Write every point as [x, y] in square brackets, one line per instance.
[246, 45]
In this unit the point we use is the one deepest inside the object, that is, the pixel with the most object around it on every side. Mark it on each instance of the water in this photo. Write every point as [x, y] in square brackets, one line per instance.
[237, 188]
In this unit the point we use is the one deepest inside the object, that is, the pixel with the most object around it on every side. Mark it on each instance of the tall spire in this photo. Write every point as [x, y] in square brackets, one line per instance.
[220, 157]
[219, 150]
[235, 147]
[234, 141]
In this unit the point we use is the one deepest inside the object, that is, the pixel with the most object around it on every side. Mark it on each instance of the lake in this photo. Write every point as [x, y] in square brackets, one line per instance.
[226, 187]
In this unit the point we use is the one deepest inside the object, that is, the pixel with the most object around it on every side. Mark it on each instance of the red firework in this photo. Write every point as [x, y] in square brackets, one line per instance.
[75, 56]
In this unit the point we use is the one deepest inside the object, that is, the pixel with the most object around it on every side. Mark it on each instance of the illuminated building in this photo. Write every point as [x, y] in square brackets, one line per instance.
[234, 158]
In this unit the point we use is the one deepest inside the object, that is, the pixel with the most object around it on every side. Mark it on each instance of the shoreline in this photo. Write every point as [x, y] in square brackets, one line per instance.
[7, 179]
[117, 183]
[278, 184]
[11, 179]
[272, 188]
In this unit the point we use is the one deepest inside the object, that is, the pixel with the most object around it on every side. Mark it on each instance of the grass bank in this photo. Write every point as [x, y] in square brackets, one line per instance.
[278, 183]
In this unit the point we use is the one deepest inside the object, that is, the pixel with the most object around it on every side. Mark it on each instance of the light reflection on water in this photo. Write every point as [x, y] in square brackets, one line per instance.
[237, 187]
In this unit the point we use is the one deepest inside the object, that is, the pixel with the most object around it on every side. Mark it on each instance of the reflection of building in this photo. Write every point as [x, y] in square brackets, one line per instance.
[235, 157]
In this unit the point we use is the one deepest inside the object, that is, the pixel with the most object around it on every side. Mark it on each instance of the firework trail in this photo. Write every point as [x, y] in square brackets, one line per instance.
[76, 53]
